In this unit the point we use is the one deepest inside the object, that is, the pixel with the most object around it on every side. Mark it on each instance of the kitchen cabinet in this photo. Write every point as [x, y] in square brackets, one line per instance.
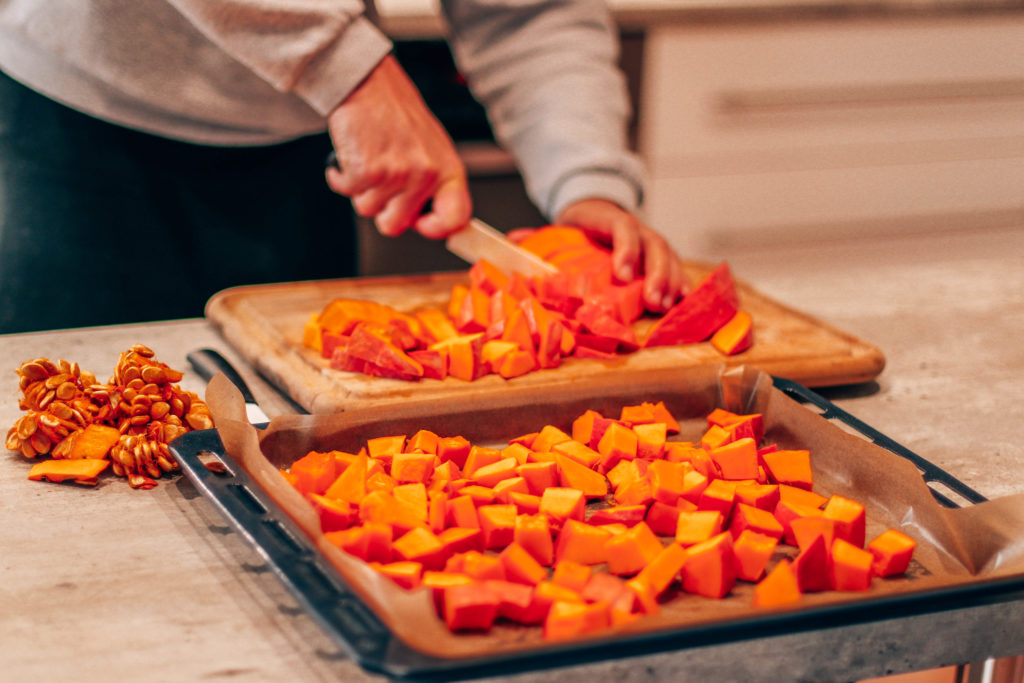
[810, 129]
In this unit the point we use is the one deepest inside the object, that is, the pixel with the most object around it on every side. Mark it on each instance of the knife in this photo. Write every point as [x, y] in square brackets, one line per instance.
[208, 362]
[480, 241]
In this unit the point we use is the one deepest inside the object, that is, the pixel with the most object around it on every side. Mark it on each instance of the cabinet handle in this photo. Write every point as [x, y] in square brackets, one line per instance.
[740, 103]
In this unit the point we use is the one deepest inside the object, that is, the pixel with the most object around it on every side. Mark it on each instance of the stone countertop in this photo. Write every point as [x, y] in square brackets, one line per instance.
[108, 583]
[421, 18]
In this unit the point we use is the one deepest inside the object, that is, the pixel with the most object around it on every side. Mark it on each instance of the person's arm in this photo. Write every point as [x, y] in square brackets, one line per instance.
[394, 155]
[546, 72]
[318, 50]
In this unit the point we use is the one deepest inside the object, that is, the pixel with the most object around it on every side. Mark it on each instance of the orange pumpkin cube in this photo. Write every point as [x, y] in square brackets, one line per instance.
[710, 567]
[779, 588]
[891, 553]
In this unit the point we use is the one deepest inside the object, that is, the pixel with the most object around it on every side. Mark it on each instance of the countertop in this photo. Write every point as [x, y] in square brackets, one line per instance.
[110, 583]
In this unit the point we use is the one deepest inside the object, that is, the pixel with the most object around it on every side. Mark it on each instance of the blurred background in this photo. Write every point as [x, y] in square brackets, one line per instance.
[779, 122]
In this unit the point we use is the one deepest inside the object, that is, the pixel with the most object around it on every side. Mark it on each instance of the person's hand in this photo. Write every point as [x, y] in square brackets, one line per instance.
[636, 249]
[394, 156]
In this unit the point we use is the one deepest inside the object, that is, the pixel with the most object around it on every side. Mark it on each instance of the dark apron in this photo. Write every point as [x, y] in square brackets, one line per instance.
[100, 224]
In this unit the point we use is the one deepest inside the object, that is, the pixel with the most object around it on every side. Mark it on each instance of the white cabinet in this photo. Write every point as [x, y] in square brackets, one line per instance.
[787, 130]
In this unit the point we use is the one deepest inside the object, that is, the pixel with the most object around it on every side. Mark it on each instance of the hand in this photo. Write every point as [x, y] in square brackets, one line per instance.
[632, 242]
[394, 156]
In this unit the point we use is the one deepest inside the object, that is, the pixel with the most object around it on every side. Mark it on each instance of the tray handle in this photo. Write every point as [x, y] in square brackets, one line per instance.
[933, 475]
[280, 542]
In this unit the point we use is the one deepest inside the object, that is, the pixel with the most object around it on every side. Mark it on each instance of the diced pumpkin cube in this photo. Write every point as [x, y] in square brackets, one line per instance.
[583, 427]
[850, 566]
[778, 588]
[462, 512]
[517, 602]
[632, 550]
[480, 456]
[805, 529]
[567, 620]
[571, 574]
[787, 511]
[412, 467]
[617, 443]
[581, 453]
[710, 567]
[850, 518]
[811, 566]
[718, 495]
[498, 524]
[520, 566]
[698, 526]
[792, 467]
[753, 552]
[423, 546]
[461, 539]
[548, 437]
[370, 541]
[736, 459]
[891, 553]
[805, 497]
[454, 448]
[470, 607]
[562, 504]
[526, 503]
[504, 489]
[314, 472]
[651, 439]
[489, 475]
[581, 543]
[748, 517]
[663, 519]
[539, 476]
[533, 533]
[659, 574]
[572, 474]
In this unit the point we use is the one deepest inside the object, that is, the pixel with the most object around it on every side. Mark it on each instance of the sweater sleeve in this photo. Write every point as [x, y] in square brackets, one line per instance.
[546, 72]
[320, 50]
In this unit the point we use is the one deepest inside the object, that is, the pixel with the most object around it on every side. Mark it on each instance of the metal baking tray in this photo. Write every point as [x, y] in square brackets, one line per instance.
[324, 593]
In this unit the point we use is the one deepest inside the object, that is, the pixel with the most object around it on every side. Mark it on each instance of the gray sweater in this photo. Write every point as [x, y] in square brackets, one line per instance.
[254, 72]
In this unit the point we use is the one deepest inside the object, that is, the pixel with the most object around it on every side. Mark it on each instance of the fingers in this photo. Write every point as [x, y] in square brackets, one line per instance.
[636, 250]
[450, 211]
[395, 157]
[626, 247]
[664, 280]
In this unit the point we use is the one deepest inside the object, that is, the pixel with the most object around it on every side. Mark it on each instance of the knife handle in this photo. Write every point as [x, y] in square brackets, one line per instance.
[208, 362]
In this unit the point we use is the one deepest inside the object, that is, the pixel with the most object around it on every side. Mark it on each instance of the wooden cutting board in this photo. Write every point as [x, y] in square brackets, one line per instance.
[264, 323]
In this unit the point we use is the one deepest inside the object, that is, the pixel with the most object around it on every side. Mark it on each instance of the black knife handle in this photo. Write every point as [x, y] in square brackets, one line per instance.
[208, 362]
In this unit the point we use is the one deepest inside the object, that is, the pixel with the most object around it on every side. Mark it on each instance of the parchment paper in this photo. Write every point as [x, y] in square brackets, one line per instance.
[955, 547]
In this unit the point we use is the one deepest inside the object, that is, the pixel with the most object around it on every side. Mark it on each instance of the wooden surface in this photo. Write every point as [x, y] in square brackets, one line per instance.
[109, 584]
[265, 324]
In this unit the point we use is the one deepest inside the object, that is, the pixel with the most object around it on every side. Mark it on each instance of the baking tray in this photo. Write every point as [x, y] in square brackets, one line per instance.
[324, 593]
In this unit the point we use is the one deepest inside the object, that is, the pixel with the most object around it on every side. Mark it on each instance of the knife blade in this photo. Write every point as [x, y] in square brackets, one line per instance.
[208, 362]
[480, 241]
